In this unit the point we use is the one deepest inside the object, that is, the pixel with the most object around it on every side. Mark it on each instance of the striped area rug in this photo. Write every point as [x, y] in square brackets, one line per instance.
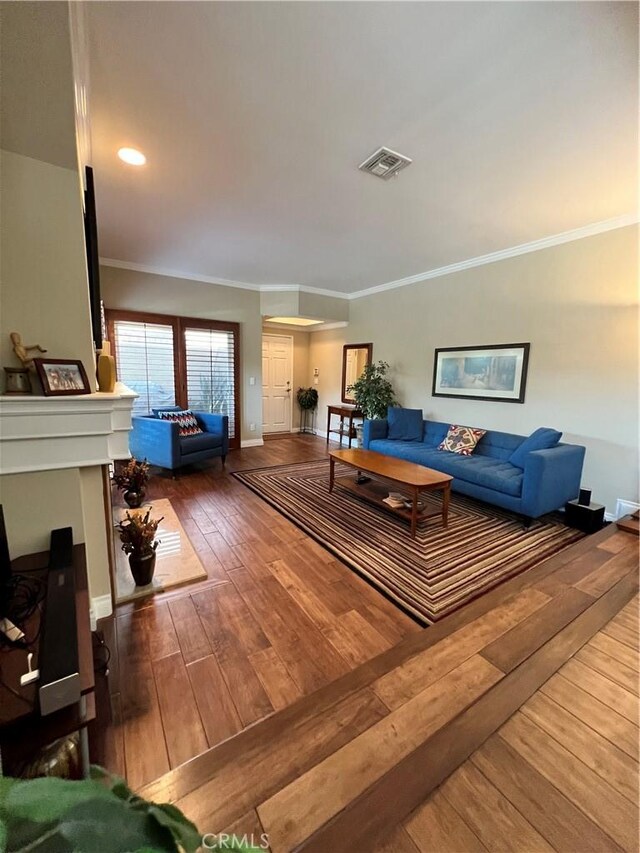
[429, 576]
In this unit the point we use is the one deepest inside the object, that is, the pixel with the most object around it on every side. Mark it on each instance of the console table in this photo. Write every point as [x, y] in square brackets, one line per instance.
[346, 414]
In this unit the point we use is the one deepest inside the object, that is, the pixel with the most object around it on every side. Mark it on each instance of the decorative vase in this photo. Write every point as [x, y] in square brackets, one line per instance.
[142, 567]
[134, 499]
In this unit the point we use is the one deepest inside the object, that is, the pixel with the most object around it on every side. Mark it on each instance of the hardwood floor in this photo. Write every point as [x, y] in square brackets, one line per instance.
[341, 768]
[276, 619]
[321, 715]
[561, 774]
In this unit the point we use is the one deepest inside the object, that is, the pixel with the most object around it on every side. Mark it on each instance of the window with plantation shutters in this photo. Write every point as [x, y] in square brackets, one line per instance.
[210, 372]
[145, 362]
[178, 361]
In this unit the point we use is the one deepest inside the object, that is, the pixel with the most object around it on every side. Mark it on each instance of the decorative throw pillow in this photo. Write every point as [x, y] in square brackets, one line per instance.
[405, 424]
[540, 439]
[156, 412]
[461, 439]
[186, 420]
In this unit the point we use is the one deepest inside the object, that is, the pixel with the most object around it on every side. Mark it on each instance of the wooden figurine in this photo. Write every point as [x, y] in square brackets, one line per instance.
[23, 351]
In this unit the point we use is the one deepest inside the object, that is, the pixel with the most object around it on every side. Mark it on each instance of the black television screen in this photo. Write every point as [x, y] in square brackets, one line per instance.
[93, 262]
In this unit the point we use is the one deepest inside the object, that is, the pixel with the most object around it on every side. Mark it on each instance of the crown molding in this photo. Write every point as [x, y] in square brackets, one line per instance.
[321, 291]
[480, 260]
[223, 282]
[326, 327]
[205, 279]
[503, 254]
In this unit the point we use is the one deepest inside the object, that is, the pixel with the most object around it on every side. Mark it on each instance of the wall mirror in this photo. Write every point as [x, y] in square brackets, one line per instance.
[355, 357]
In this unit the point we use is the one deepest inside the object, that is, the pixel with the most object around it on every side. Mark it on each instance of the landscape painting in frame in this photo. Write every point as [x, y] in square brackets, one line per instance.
[496, 372]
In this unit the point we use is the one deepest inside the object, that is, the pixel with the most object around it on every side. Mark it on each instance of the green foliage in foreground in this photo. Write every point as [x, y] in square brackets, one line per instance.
[97, 815]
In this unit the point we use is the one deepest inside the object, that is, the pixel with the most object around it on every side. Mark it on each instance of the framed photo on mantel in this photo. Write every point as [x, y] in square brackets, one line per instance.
[494, 372]
[61, 377]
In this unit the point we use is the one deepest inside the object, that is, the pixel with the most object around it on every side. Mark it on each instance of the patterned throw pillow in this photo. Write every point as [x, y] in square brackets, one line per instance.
[461, 439]
[186, 420]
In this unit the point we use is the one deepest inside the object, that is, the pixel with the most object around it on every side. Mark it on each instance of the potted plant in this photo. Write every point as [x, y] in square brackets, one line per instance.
[372, 391]
[138, 537]
[132, 479]
[308, 401]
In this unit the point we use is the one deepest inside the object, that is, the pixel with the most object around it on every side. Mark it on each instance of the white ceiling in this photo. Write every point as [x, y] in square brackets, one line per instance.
[520, 118]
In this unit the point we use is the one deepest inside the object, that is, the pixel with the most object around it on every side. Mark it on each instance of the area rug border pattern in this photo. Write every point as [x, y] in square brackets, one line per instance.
[467, 504]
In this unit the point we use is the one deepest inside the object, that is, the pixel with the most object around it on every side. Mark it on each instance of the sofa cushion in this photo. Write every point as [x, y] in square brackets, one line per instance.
[404, 424]
[434, 433]
[202, 441]
[461, 439]
[412, 451]
[541, 439]
[186, 420]
[478, 470]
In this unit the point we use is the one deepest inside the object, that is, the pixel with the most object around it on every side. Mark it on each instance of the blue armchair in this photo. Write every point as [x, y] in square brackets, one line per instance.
[158, 441]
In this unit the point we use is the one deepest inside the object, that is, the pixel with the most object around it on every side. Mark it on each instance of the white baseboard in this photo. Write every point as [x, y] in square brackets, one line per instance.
[624, 507]
[101, 606]
[252, 442]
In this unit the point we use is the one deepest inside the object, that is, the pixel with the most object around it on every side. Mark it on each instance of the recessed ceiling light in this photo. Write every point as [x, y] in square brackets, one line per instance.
[132, 156]
[294, 321]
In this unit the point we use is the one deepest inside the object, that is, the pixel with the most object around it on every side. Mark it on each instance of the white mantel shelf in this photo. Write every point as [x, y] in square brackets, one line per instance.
[48, 433]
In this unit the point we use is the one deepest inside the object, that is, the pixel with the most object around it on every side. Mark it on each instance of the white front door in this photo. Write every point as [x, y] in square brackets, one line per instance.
[276, 383]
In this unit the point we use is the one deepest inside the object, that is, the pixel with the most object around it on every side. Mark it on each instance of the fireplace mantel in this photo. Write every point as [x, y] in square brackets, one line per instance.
[49, 433]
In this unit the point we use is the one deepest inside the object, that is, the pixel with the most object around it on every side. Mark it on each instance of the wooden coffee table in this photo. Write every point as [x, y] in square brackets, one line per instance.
[411, 477]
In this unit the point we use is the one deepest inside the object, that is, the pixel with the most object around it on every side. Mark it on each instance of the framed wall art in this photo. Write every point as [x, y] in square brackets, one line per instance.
[494, 372]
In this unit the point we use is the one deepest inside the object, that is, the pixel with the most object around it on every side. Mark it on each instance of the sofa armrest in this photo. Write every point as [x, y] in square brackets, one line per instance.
[551, 478]
[216, 424]
[156, 440]
[372, 429]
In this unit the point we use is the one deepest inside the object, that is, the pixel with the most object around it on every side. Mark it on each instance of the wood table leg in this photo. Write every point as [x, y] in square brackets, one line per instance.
[331, 473]
[350, 429]
[328, 424]
[445, 504]
[414, 512]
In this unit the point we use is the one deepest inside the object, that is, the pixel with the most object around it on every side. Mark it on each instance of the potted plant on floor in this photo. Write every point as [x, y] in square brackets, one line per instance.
[132, 479]
[372, 393]
[138, 537]
[308, 401]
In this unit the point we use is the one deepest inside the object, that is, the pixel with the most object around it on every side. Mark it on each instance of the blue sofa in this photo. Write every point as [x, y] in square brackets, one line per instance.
[158, 441]
[543, 481]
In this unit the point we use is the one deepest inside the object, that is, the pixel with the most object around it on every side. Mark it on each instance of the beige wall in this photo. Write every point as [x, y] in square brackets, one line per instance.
[578, 306]
[139, 291]
[44, 295]
[43, 288]
[44, 291]
[35, 504]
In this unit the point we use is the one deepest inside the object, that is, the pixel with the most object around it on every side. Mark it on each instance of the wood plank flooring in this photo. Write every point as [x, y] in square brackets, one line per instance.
[417, 714]
[317, 713]
[561, 773]
[276, 619]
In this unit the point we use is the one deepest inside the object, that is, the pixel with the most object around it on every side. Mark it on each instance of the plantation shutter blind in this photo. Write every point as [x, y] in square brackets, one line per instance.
[145, 363]
[210, 367]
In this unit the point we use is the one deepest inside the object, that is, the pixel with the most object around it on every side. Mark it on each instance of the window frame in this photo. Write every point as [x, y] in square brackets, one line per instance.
[180, 325]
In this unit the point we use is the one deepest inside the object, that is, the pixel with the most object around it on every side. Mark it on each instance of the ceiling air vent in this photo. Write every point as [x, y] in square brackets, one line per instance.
[384, 163]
